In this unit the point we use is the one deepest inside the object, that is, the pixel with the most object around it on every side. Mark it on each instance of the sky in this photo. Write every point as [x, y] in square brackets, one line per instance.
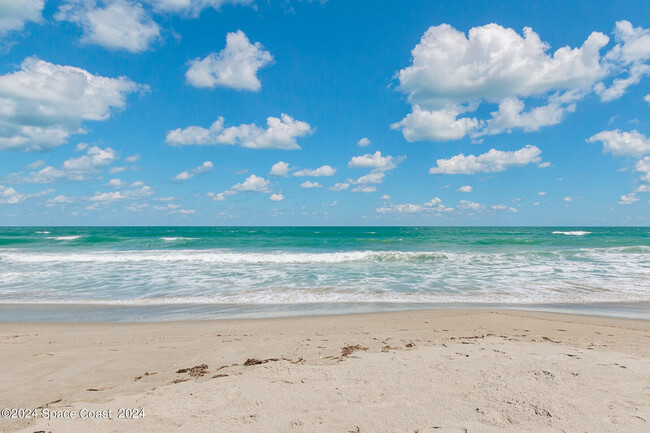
[289, 112]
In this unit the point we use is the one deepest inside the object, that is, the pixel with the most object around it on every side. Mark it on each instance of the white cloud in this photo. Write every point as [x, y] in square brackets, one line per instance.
[647, 98]
[235, 66]
[15, 13]
[93, 159]
[374, 161]
[9, 195]
[137, 207]
[133, 158]
[434, 205]
[544, 164]
[511, 115]
[374, 177]
[340, 186]
[280, 168]
[133, 194]
[643, 166]
[401, 208]
[205, 167]
[494, 62]
[568, 199]
[42, 104]
[469, 205]
[364, 188]
[503, 207]
[117, 183]
[385, 197]
[628, 198]
[309, 184]
[280, 134]
[365, 141]
[622, 143]
[119, 24]
[220, 196]
[61, 199]
[379, 164]
[73, 169]
[629, 55]
[193, 7]
[452, 74]
[276, 197]
[541, 193]
[168, 206]
[325, 170]
[183, 175]
[465, 188]
[643, 188]
[252, 184]
[439, 125]
[36, 164]
[490, 162]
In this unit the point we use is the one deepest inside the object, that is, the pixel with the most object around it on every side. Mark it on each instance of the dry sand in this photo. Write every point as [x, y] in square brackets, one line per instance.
[423, 371]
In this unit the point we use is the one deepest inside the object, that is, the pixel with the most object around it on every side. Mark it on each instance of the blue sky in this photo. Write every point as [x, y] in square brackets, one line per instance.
[217, 112]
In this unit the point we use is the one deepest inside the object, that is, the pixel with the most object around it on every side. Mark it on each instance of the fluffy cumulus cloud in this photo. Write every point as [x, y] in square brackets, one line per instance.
[112, 24]
[42, 104]
[438, 125]
[72, 169]
[276, 197]
[205, 167]
[452, 74]
[325, 170]
[280, 133]
[629, 55]
[309, 184]
[379, 166]
[15, 13]
[365, 141]
[280, 168]
[643, 166]
[9, 195]
[489, 162]
[235, 66]
[465, 188]
[340, 186]
[620, 143]
[373, 160]
[252, 184]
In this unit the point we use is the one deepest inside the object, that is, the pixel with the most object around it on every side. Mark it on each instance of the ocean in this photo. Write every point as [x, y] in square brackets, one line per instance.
[152, 273]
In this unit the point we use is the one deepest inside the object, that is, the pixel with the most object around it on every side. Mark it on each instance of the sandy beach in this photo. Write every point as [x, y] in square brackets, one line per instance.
[418, 371]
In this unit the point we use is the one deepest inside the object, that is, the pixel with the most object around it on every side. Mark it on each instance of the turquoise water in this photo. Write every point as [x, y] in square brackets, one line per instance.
[266, 266]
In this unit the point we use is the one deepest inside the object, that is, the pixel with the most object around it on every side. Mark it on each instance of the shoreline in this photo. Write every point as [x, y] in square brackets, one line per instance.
[439, 370]
[180, 312]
